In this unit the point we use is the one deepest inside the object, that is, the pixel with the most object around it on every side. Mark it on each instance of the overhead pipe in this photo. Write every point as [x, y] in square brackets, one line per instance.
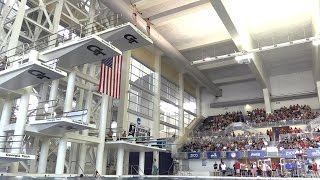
[119, 6]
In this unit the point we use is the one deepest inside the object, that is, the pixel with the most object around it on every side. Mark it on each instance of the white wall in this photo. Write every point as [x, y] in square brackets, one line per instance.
[313, 102]
[196, 165]
[295, 83]
[281, 85]
[240, 91]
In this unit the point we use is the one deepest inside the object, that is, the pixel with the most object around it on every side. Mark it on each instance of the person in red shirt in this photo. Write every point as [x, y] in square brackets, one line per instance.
[315, 169]
[274, 167]
[237, 166]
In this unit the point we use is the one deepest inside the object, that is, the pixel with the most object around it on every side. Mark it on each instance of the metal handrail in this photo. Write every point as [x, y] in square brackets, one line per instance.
[7, 143]
[52, 104]
[43, 42]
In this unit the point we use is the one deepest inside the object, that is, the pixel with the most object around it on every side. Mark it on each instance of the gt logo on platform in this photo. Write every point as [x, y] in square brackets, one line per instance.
[38, 74]
[131, 39]
[96, 50]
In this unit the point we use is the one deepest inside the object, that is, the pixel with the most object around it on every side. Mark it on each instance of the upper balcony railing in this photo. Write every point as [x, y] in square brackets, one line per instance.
[62, 36]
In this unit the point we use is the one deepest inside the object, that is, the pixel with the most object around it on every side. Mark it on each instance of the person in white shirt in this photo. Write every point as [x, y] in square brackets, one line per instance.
[223, 168]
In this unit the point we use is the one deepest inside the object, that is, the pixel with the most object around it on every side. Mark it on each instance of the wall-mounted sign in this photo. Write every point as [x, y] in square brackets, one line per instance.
[233, 155]
[288, 153]
[195, 155]
[256, 154]
[213, 155]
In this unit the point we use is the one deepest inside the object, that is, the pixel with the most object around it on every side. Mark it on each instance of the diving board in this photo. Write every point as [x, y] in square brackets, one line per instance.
[14, 157]
[88, 49]
[56, 126]
[125, 37]
[28, 73]
[132, 147]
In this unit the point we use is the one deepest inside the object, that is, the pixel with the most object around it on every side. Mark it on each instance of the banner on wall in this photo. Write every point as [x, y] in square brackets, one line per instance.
[288, 153]
[256, 154]
[313, 152]
[194, 155]
[233, 155]
[213, 155]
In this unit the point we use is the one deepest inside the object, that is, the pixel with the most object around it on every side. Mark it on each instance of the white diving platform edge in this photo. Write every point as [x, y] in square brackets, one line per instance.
[125, 37]
[28, 73]
[57, 126]
[132, 147]
[88, 49]
[14, 157]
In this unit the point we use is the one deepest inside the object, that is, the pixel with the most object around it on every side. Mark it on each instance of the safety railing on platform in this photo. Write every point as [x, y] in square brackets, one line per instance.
[44, 110]
[62, 36]
[9, 144]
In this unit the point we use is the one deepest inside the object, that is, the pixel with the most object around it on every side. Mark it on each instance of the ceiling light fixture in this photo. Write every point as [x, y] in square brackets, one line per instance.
[244, 59]
[315, 41]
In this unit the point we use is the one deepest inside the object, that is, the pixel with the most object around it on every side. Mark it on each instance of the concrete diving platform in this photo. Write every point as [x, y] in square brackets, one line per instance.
[14, 157]
[27, 73]
[88, 49]
[125, 37]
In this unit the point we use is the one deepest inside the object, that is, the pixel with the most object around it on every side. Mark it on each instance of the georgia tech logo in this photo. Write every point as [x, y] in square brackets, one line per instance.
[131, 39]
[38, 74]
[96, 50]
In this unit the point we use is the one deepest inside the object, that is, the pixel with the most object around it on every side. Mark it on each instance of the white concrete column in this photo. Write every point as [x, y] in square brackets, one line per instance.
[267, 103]
[5, 119]
[156, 157]
[126, 162]
[198, 98]
[102, 131]
[35, 146]
[120, 156]
[122, 116]
[19, 127]
[141, 162]
[88, 104]
[105, 161]
[61, 157]
[318, 90]
[181, 101]
[157, 93]
[43, 159]
[62, 148]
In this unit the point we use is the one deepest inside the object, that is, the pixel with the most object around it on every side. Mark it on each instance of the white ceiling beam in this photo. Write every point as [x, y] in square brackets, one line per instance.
[316, 49]
[243, 41]
[235, 79]
[145, 4]
[169, 16]
[217, 64]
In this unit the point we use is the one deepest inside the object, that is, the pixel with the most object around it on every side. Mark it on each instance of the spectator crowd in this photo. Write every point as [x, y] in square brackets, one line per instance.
[199, 144]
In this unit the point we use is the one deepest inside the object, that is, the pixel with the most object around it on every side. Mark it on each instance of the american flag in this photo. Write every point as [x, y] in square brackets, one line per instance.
[110, 76]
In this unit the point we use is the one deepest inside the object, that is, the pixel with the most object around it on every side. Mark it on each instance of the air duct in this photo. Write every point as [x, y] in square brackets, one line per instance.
[119, 6]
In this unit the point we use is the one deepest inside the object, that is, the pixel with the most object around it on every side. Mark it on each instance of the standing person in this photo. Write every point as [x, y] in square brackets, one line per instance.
[154, 167]
[254, 169]
[223, 168]
[274, 169]
[3, 63]
[135, 13]
[264, 169]
[215, 169]
[237, 168]
[315, 169]
[148, 27]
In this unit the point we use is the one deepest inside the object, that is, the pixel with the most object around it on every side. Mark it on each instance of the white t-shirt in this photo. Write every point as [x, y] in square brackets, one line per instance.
[223, 167]
[264, 167]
